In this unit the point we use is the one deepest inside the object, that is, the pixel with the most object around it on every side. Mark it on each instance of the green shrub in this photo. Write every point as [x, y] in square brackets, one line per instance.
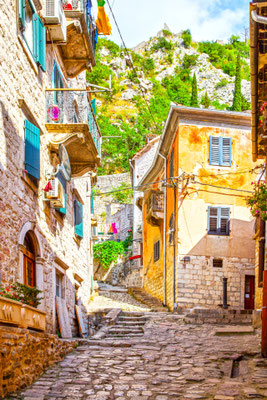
[219, 106]
[112, 47]
[166, 33]
[123, 194]
[148, 64]
[190, 61]
[161, 44]
[221, 84]
[205, 100]
[23, 293]
[107, 252]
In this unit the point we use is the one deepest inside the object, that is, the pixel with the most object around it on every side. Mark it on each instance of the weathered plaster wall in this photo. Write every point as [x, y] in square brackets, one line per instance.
[21, 203]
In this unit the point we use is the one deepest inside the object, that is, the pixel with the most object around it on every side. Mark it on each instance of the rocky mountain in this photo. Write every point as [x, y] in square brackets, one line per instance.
[156, 73]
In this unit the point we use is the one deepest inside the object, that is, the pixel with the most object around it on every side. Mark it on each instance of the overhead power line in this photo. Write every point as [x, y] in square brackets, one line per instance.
[131, 64]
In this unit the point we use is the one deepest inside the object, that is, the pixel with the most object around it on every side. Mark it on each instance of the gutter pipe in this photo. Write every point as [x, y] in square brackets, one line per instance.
[164, 229]
[258, 18]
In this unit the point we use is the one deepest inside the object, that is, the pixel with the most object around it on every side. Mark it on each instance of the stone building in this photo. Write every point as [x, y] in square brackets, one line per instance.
[45, 234]
[197, 228]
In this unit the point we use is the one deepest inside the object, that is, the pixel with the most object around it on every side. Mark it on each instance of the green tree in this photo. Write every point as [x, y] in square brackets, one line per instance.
[187, 38]
[237, 102]
[205, 101]
[194, 98]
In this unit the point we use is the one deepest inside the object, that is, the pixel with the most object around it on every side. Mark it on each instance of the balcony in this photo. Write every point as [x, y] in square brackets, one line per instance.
[71, 121]
[78, 53]
[155, 207]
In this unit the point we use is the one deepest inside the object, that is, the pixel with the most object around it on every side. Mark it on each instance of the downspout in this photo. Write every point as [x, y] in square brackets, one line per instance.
[164, 229]
[258, 18]
[134, 201]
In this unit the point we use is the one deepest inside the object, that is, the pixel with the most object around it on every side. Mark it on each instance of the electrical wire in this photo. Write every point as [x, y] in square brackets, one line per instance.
[131, 65]
[222, 187]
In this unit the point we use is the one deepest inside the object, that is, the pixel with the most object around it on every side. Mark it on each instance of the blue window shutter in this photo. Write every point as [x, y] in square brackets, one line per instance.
[214, 150]
[93, 102]
[224, 220]
[213, 219]
[32, 149]
[39, 42]
[78, 218]
[22, 7]
[92, 203]
[226, 151]
[62, 180]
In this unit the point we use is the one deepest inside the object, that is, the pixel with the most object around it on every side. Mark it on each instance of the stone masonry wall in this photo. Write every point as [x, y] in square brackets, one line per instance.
[25, 354]
[200, 284]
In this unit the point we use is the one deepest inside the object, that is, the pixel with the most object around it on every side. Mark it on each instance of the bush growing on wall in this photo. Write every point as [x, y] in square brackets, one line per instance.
[107, 252]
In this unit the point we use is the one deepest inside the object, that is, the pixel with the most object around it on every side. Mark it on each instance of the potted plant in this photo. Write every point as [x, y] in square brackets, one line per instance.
[258, 200]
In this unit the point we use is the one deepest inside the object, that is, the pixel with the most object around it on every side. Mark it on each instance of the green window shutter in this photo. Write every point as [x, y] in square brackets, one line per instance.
[32, 149]
[39, 42]
[22, 7]
[226, 151]
[93, 102]
[214, 150]
[78, 218]
[62, 180]
[92, 203]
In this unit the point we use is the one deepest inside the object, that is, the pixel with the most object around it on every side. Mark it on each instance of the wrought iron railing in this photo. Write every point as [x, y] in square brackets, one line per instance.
[84, 6]
[68, 106]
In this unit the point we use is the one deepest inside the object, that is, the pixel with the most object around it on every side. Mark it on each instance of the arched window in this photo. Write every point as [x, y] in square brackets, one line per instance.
[29, 265]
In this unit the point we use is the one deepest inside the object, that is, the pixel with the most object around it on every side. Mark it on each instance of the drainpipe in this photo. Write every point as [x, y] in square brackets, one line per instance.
[258, 18]
[174, 249]
[164, 229]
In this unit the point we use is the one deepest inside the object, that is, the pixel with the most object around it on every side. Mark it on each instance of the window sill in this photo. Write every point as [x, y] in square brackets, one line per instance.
[219, 234]
[28, 53]
[29, 183]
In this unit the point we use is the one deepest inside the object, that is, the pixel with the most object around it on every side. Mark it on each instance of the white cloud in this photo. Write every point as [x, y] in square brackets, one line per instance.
[207, 19]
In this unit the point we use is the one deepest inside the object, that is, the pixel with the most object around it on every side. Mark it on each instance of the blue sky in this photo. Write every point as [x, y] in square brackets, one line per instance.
[207, 19]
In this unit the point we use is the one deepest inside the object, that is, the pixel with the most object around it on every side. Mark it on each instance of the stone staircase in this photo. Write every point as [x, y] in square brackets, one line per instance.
[219, 316]
[152, 302]
[128, 325]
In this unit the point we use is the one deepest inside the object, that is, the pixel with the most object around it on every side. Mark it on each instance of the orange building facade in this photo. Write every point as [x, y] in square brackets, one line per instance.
[197, 228]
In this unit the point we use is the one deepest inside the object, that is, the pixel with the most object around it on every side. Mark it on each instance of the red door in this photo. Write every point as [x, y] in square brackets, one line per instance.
[249, 292]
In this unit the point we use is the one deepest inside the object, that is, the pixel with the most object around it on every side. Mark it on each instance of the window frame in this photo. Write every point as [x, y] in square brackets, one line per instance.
[219, 217]
[156, 251]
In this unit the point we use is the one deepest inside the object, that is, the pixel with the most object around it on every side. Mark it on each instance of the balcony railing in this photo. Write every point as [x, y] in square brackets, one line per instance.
[68, 106]
[82, 6]
[156, 202]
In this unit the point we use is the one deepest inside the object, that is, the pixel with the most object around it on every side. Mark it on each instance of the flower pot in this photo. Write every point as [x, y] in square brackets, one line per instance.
[33, 318]
[10, 311]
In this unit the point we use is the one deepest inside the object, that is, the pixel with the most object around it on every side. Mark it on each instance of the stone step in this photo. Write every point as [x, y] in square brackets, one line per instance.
[124, 331]
[124, 336]
[130, 323]
[137, 319]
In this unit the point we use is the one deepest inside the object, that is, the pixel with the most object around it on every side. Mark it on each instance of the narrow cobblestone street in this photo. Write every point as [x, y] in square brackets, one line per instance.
[172, 360]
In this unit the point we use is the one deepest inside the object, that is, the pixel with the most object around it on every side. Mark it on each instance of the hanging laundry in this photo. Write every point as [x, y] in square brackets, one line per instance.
[89, 7]
[101, 3]
[114, 229]
[95, 38]
[102, 22]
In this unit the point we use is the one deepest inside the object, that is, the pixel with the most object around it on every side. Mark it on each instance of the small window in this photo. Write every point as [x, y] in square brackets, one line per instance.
[217, 263]
[57, 83]
[32, 150]
[220, 151]
[156, 251]
[219, 221]
[172, 164]
[63, 181]
[59, 285]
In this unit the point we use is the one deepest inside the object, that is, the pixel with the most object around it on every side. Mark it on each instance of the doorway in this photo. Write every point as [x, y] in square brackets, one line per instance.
[249, 292]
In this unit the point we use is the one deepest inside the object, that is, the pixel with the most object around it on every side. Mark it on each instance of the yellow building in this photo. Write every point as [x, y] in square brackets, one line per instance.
[197, 228]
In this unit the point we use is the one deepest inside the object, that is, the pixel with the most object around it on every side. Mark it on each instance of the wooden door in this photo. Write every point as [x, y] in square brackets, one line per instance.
[249, 292]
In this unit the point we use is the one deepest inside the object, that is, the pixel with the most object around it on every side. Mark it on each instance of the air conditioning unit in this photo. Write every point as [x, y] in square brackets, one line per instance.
[55, 21]
[56, 195]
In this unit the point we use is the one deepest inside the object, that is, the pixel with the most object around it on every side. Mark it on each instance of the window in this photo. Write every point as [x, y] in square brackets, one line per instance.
[220, 151]
[32, 150]
[219, 221]
[60, 285]
[261, 260]
[78, 218]
[172, 164]
[156, 251]
[33, 32]
[217, 263]
[29, 262]
[57, 82]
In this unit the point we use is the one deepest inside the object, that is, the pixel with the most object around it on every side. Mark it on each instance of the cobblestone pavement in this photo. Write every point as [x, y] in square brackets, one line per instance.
[116, 300]
[171, 361]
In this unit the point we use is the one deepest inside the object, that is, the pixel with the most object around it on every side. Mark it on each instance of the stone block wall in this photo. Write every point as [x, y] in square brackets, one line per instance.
[200, 284]
[26, 354]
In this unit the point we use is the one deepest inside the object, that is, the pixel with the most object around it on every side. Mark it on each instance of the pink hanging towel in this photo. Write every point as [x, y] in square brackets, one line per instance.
[114, 229]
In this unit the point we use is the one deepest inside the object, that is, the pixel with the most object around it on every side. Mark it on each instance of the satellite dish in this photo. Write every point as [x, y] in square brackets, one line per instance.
[65, 167]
